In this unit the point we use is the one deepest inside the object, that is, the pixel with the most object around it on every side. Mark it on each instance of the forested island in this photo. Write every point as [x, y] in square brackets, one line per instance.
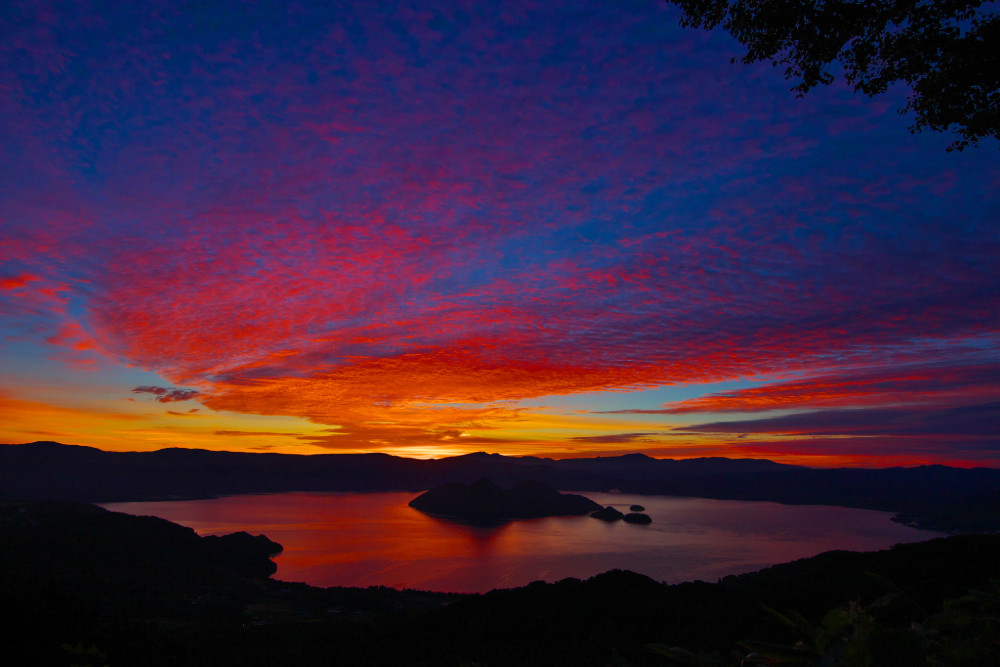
[485, 502]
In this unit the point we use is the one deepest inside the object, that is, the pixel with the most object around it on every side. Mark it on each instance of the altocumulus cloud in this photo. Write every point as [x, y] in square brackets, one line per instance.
[165, 395]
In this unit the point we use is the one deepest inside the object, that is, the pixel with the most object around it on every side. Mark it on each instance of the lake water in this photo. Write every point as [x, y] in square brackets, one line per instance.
[368, 539]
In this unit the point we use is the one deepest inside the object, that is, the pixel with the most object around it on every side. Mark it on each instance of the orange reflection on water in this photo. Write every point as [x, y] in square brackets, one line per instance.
[370, 539]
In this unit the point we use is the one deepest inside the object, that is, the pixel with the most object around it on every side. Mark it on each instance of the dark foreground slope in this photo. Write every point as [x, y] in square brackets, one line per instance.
[91, 587]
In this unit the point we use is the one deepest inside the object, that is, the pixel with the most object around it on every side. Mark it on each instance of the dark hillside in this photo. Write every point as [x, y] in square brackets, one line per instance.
[92, 587]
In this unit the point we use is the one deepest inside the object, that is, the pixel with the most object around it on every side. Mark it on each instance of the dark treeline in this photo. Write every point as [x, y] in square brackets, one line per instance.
[937, 497]
[90, 587]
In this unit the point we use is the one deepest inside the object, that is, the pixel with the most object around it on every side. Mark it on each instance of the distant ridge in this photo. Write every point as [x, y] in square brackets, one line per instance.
[639, 467]
[934, 497]
[54, 471]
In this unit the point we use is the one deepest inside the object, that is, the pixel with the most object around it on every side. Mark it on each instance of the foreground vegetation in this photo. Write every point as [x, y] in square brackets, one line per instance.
[91, 587]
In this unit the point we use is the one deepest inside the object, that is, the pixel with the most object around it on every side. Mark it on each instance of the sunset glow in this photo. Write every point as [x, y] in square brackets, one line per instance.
[531, 228]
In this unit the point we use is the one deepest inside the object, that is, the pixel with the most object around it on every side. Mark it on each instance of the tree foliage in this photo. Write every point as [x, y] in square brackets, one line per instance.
[947, 51]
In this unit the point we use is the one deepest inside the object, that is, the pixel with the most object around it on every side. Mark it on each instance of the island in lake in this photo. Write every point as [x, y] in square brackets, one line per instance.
[484, 501]
[610, 514]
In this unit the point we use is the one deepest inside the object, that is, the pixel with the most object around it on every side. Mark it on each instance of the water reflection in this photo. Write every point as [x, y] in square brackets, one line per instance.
[367, 539]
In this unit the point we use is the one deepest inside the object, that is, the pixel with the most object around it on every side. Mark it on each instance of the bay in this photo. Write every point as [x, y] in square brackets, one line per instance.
[375, 539]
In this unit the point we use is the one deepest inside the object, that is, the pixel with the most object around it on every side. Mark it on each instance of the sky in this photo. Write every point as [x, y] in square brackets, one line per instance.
[550, 228]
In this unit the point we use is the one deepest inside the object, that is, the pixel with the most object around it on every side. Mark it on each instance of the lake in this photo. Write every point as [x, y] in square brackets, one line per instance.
[370, 539]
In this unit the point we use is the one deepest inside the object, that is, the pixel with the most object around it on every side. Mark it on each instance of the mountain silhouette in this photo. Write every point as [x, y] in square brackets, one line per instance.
[934, 497]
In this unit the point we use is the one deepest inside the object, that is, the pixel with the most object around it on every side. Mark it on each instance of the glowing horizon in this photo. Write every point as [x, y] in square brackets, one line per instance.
[529, 229]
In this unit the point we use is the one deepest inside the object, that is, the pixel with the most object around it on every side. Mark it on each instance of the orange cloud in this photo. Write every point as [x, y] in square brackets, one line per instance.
[881, 386]
[870, 451]
[25, 421]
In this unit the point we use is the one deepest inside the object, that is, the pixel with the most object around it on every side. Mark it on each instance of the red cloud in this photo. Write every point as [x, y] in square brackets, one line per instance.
[318, 227]
[872, 452]
[970, 420]
[14, 282]
[884, 386]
